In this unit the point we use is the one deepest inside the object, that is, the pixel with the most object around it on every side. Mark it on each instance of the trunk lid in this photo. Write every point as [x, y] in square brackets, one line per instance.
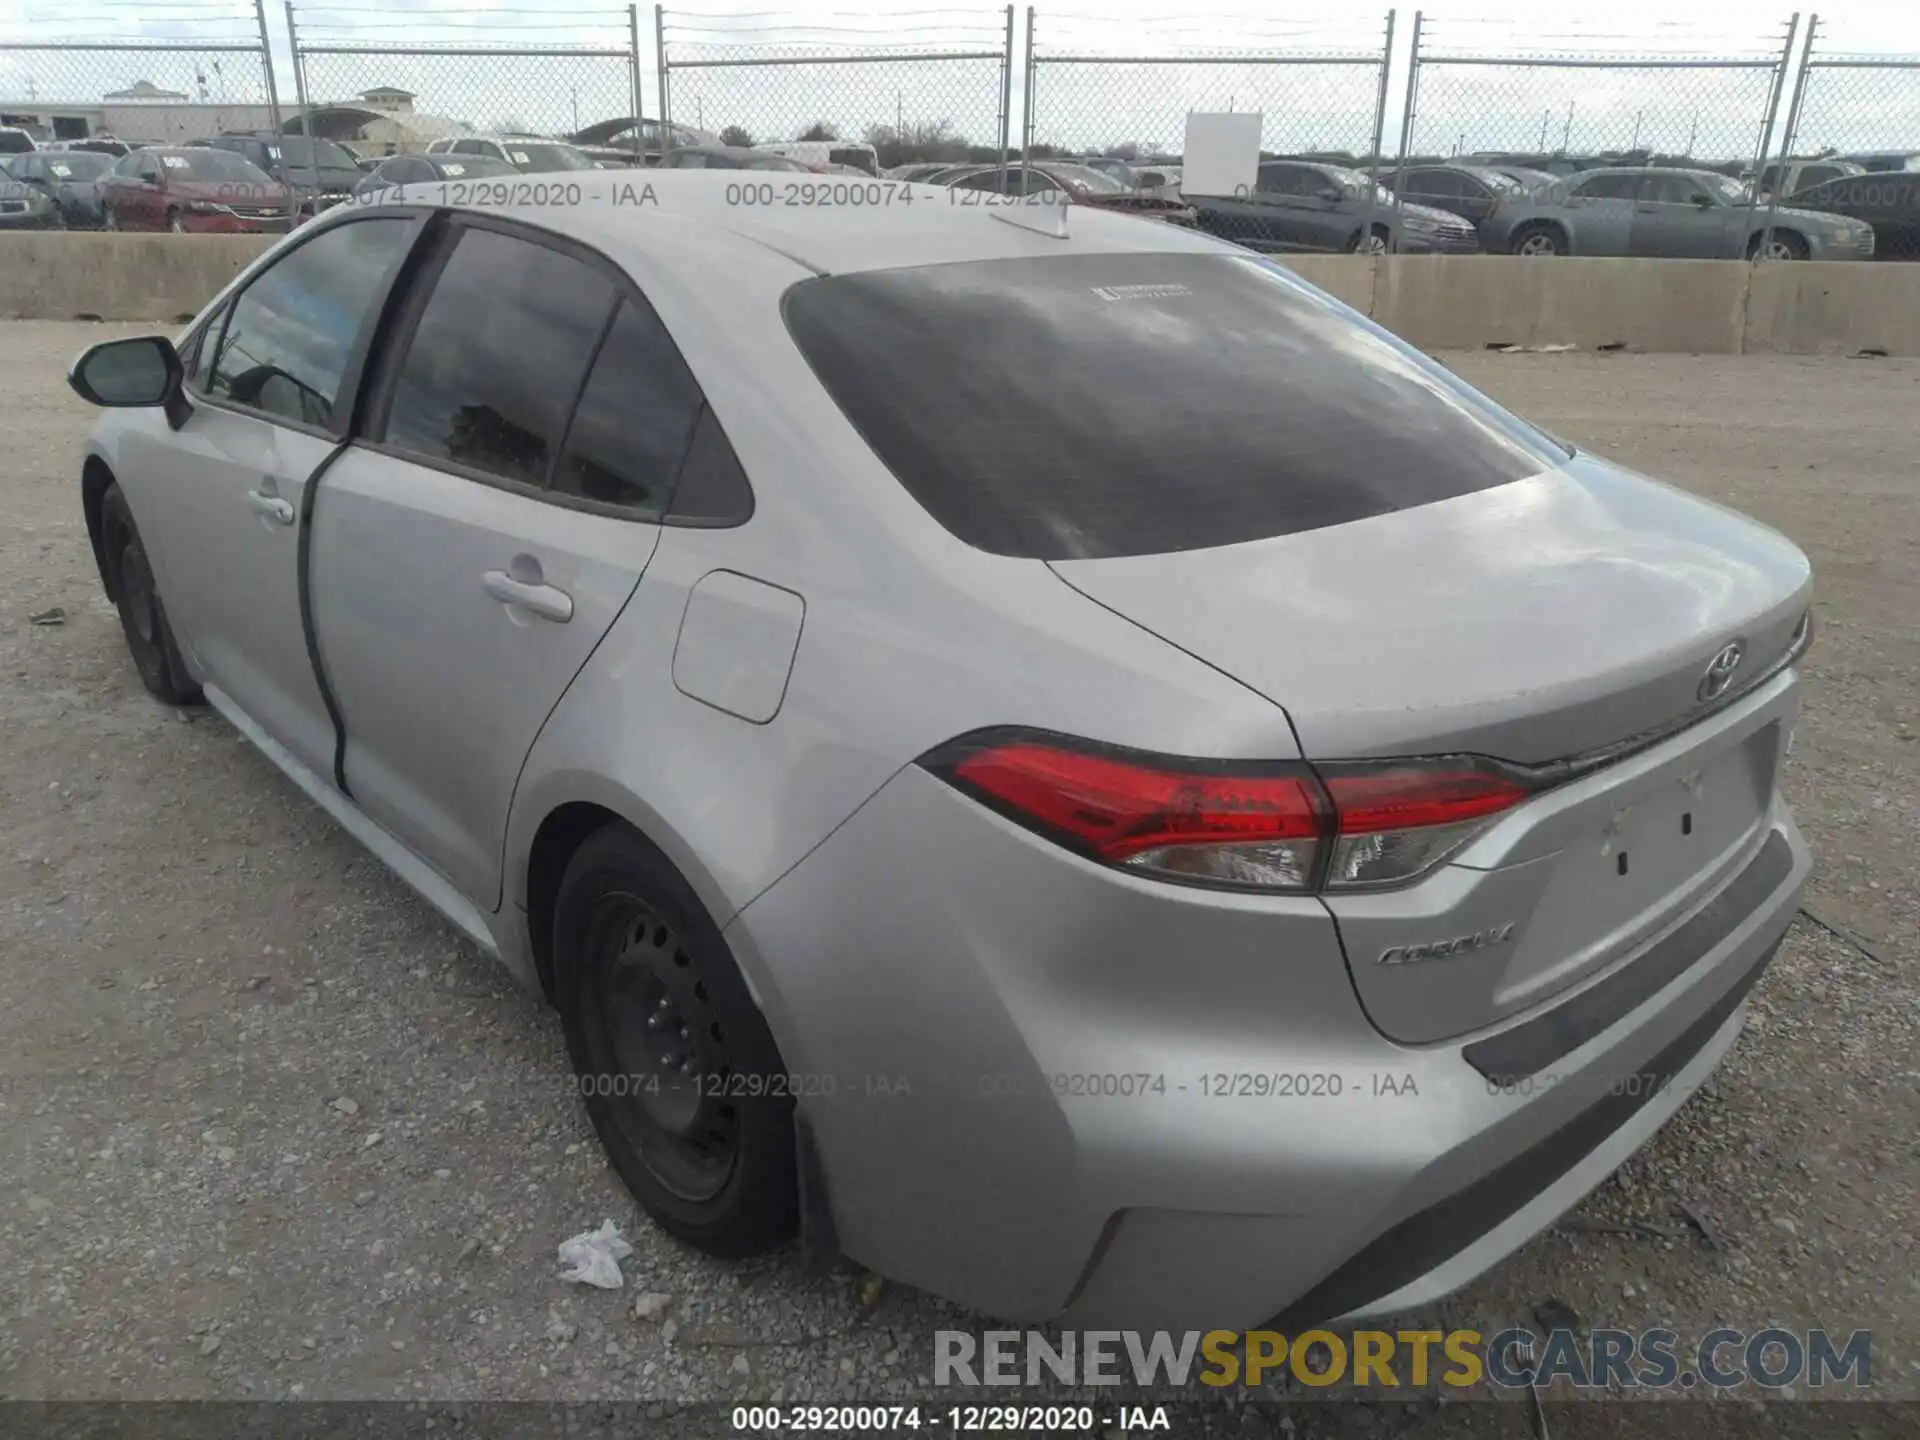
[1574, 612]
[1532, 621]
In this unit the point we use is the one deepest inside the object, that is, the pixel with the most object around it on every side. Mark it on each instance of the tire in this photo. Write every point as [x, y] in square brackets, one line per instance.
[1538, 240]
[174, 223]
[1785, 245]
[113, 218]
[1377, 243]
[668, 1048]
[143, 618]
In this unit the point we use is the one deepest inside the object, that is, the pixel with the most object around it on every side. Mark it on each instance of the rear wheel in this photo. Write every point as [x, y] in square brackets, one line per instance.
[676, 1066]
[143, 618]
[1538, 240]
[1781, 245]
[176, 223]
[113, 219]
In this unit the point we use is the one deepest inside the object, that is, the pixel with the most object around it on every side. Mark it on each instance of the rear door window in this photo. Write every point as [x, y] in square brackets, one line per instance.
[634, 418]
[1083, 406]
[492, 369]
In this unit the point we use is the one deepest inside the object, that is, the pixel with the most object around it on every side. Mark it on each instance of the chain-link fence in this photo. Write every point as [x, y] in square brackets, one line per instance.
[1852, 130]
[363, 83]
[869, 93]
[1318, 87]
[1576, 106]
[139, 93]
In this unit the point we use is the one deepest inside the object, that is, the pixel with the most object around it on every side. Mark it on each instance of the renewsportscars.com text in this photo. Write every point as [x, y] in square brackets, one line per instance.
[1515, 1358]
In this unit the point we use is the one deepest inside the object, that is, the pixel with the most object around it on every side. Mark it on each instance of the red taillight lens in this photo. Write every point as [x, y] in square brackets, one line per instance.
[1260, 825]
[1398, 819]
[1273, 825]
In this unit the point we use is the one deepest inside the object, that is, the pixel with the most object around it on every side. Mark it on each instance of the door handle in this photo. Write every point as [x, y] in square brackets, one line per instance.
[546, 601]
[271, 506]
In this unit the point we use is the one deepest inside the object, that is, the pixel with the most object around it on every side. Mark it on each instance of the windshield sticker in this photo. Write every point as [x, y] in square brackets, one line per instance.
[520, 157]
[174, 162]
[61, 170]
[453, 169]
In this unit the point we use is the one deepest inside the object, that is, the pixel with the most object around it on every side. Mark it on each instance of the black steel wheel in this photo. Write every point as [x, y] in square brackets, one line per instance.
[675, 1065]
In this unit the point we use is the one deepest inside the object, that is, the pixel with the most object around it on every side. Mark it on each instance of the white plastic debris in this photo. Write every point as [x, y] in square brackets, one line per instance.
[593, 1257]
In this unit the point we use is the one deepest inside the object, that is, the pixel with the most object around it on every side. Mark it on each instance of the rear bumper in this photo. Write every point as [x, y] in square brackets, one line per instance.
[1121, 1103]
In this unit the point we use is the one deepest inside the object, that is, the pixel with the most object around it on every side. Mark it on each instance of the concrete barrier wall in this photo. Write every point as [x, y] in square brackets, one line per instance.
[1452, 302]
[53, 275]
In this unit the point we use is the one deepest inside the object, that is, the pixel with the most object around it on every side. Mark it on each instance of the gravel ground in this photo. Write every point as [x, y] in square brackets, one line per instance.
[270, 1129]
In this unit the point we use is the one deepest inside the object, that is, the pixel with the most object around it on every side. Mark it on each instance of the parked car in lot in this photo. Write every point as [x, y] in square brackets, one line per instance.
[1678, 214]
[192, 190]
[527, 154]
[1299, 205]
[729, 157]
[816, 154]
[1797, 175]
[918, 169]
[16, 141]
[321, 172]
[1478, 194]
[23, 206]
[97, 144]
[649, 596]
[1887, 201]
[69, 180]
[1077, 184]
[425, 169]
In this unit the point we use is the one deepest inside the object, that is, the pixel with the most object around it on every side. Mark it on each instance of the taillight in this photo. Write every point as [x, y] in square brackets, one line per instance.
[1269, 825]
[1399, 819]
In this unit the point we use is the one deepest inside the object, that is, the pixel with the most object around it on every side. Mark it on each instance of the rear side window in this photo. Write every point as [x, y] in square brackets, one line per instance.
[1083, 406]
[491, 372]
[292, 332]
[634, 417]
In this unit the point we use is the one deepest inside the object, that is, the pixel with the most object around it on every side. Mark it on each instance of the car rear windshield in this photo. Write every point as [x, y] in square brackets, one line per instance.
[1085, 406]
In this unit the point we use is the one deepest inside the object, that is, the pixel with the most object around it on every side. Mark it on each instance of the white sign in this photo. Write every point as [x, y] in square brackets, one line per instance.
[1222, 155]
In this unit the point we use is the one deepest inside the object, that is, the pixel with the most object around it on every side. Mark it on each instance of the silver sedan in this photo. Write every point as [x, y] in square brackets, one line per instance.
[1089, 867]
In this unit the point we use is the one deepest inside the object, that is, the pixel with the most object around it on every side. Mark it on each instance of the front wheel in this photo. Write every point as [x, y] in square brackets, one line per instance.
[1375, 244]
[143, 619]
[1538, 240]
[675, 1064]
[113, 218]
[176, 223]
[1781, 245]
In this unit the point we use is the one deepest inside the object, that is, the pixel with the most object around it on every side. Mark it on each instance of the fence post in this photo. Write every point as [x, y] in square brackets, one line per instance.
[299, 78]
[1407, 113]
[660, 50]
[1773, 112]
[1787, 132]
[1026, 116]
[633, 53]
[273, 111]
[1006, 100]
[1379, 126]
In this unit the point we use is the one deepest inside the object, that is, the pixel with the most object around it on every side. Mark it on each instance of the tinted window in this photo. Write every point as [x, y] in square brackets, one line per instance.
[1291, 414]
[1286, 180]
[712, 487]
[498, 356]
[1609, 187]
[1441, 184]
[293, 329]
[631, 427]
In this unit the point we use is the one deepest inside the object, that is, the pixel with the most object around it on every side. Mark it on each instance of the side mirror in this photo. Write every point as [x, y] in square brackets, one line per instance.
[1329, 192]
[132, 374]
[1705, 202]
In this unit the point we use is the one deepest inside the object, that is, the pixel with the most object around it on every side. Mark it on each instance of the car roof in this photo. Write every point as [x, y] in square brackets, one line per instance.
[829, 239]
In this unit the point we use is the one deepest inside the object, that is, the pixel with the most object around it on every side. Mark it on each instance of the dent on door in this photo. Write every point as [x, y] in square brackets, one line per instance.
[737, 640]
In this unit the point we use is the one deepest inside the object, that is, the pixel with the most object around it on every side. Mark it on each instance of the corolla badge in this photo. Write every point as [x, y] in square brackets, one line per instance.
[1458, 945]
[1720, 670]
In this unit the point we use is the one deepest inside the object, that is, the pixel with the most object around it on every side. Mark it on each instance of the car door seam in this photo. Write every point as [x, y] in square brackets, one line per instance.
[309, 629]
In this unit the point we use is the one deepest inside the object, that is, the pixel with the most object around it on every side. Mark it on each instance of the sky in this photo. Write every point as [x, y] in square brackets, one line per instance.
[1133, 95]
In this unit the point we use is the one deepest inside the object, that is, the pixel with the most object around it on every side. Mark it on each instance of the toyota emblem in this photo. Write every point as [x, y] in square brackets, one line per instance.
[1720, 671]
